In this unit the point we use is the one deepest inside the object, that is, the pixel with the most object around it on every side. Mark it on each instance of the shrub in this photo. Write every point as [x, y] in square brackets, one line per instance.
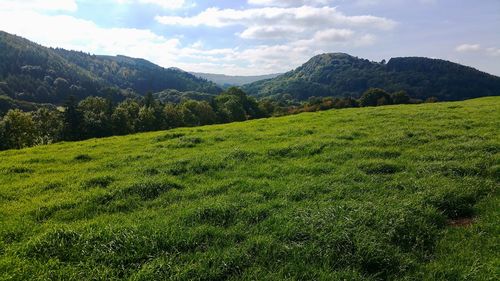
[374, 97]
[17, 129]
[400, 97]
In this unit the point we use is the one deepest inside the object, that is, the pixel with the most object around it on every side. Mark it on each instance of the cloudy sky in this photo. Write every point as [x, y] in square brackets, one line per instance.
[248, 37]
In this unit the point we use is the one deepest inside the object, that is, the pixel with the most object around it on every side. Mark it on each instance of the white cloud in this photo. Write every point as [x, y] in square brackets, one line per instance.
[333, 35]
[468, 48]
[165, 4]
[297, 33]
[364, 3]
[493, 51]
[77, 34]
[305, 16]
[478, 49]
[271, 32]
[301, 32]
[287, 3]
[38, 5]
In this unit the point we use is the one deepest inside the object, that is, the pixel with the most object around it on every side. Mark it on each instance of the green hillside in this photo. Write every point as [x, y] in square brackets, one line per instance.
[31, 72]
[7, 103]
[342, 75]
[139, 75]
[404, 192]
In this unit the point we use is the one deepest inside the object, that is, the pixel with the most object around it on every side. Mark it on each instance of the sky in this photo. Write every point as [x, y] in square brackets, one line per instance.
[253, 37]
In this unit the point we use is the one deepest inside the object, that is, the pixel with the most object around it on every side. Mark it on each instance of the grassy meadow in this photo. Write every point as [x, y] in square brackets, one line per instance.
[405, 192]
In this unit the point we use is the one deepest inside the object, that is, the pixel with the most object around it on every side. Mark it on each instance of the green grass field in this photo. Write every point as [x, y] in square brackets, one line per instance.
[389, 193]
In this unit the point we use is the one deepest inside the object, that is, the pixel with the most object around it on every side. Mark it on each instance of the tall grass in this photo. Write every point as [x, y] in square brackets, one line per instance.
[355, 194]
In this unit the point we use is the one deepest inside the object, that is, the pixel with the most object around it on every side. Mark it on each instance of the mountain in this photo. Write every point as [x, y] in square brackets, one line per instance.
[139, 74]
[339, 74]
[228, 80]
[31, 72]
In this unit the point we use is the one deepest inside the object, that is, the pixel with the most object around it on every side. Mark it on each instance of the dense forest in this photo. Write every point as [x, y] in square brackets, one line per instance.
[33, 73]
[96, 117]
[49, 95]
[342, 75]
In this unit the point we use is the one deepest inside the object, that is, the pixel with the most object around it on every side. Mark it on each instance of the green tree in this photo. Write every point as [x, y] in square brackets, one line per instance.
[147, 119]
[3, 137]
[196, 113]
[374, 97]
[235, 105]
[62, 86]
[96, 119]
[173, 116]
[48, 124]
[345, 103]
[17, 129]
[400, 97]
[385, 100]
[125, 117]
[229, 109]
[431, 100]
[149, 100]
[267, 107]
[72, 120]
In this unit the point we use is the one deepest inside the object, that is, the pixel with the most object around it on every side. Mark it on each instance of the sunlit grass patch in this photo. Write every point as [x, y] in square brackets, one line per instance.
[358, 194]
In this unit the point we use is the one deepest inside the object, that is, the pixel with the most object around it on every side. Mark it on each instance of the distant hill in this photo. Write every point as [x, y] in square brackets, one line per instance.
[31, 72]
[339, 74]
[139, 74]
[174, 96]
[228, 80]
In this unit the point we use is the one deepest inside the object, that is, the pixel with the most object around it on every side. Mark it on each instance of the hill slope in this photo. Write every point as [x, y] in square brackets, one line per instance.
[31, 72]
[327, 195]
[138, 74]
[230, 80]
[340, 74]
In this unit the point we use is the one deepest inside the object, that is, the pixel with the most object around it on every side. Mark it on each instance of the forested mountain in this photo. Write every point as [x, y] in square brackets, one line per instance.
[138, 74]
[31, 72]
[339, 74]
[230, 80]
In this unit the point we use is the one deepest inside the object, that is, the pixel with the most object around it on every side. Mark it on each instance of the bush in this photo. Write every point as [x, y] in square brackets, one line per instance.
[400, 97]
[17, 130]
[431, 100]
[374, 97]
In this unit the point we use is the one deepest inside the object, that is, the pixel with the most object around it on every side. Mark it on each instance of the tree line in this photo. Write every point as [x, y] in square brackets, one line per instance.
[96, 117]
[371, 97]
